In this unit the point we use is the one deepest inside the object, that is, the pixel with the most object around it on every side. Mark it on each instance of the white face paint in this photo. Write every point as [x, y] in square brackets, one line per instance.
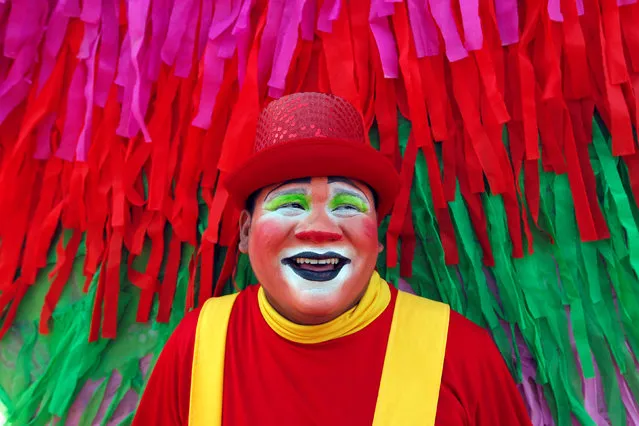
[306, 289]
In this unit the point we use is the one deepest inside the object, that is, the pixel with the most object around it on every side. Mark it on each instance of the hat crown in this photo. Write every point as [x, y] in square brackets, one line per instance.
[303, 116]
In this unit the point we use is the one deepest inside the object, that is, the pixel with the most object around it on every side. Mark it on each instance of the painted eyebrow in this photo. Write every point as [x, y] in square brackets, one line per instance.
[302, 180]
[353, 193]
[349, 182]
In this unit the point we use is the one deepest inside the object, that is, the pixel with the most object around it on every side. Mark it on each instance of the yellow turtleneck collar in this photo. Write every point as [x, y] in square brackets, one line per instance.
[372, 304]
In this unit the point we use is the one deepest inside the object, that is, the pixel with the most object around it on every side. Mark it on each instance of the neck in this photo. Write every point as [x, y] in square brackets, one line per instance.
[301, 318]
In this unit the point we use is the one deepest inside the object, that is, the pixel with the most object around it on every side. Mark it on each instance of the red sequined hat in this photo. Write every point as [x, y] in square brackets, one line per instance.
[313, 134]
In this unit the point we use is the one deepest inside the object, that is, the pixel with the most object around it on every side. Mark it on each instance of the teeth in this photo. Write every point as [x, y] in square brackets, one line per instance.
[332, 261]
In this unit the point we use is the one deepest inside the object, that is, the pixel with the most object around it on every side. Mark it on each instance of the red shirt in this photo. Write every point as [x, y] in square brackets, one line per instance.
[269, 380]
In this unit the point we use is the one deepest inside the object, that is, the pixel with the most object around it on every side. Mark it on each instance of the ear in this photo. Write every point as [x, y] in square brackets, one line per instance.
[245, 228]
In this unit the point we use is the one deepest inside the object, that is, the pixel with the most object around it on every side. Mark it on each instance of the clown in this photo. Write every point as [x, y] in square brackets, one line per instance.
[323, 339]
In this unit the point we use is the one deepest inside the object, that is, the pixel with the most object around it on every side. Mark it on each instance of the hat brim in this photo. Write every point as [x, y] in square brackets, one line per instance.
[313, 158]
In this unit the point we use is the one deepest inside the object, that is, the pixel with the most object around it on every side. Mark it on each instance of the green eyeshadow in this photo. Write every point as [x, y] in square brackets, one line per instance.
[284, 199]
[345, 199]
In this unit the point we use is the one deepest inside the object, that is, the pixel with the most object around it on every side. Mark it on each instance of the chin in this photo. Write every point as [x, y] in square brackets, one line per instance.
[315, 303]
[312, 298]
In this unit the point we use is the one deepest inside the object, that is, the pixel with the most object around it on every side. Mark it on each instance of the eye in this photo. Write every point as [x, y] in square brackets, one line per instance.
[292, 206]
[346, 207]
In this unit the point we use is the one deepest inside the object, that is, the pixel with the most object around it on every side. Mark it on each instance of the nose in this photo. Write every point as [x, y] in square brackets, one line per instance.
[319, 228]
[318, 236]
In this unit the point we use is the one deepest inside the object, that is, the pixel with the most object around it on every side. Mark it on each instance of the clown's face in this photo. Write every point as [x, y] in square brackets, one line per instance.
[313, 246]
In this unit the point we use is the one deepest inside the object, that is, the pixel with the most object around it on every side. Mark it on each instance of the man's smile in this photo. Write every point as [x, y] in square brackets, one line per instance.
[313, 266]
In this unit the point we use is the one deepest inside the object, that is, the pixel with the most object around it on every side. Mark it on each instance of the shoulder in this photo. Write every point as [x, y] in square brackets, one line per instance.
[470, 347]
[183, 337]
[185, 331]
[463, 333]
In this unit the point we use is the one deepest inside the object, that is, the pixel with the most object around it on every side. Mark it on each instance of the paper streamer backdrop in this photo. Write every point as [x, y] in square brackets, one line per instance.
[513, 125]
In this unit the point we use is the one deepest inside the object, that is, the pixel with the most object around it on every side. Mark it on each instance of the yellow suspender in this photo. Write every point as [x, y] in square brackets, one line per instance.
[207, 374]
[409, 388]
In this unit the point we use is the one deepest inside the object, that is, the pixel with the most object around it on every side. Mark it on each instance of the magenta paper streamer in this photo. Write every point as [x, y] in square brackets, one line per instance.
[108, 52]
[72, 8]
[160, 14]
[471, 23]
[206, 16]
[443, 15]
[91, 11]
[138, 10]
[12, 98]
[625, 3]
[424, 29]
[184, 58]
[554, 10]
[285, 46]
[327, 14]
[52, 41]
[89, 48]
[308, 20]
[177, 26]
[507, 21]
[378, 20]
[76, 104]
[242, 31]
[24, 29]
[123, 79]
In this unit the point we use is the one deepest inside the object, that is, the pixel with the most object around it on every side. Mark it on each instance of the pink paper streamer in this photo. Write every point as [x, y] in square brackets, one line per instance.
[378, 20]
[507, 21]
[443, 15]
[177, 26]
[532, 393]
[108, 52]
[269, 39]
[327, 14]
[471, 23]
[79, 405]
[424, 29]
[138, 10]
[554, 10]
[286, 43]
[625, 3]
[220, 47]
[629, 401]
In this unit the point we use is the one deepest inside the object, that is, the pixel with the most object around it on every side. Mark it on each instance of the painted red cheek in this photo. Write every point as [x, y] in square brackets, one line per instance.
[269, 231]
[362, 233]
